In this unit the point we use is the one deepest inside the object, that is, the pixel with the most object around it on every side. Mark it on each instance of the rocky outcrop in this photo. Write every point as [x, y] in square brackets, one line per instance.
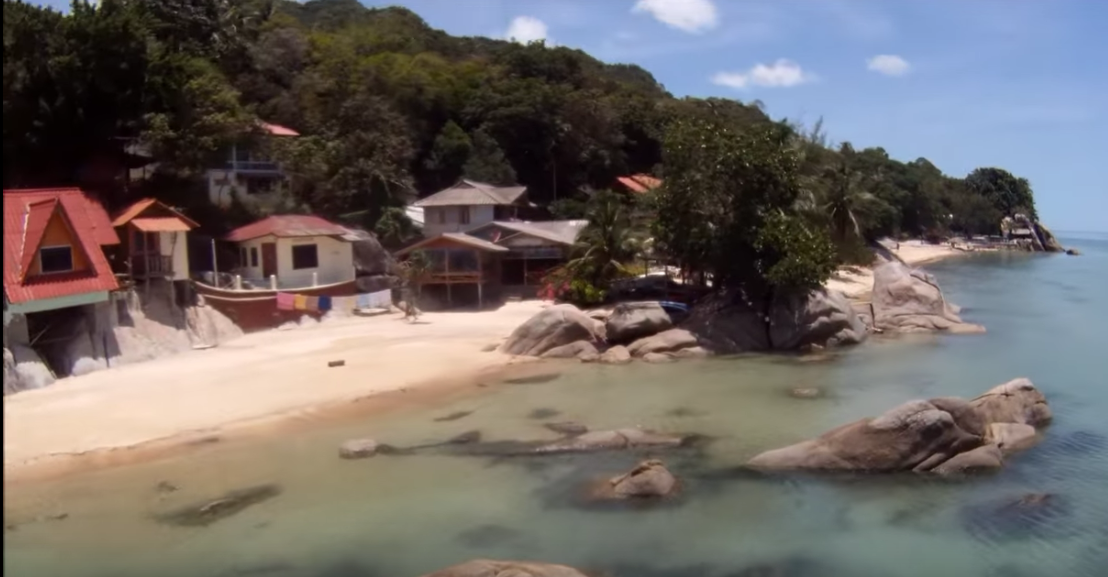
[24, 369]
[551, 328]
[617, 355]
[663, 342]
[941, 435]
[908, 301]
[726, 323]
[358, 449]
[490, 568]
[584, 350]
[648, 480]
[1047, 239]
[631, 321]
[823, 318]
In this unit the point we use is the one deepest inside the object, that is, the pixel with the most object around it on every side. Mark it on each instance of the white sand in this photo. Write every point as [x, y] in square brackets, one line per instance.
[259, 375]
[857, 282]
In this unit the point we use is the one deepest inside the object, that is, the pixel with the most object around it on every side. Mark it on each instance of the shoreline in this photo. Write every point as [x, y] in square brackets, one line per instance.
[856, 282]
[162, 407]
[259, 383]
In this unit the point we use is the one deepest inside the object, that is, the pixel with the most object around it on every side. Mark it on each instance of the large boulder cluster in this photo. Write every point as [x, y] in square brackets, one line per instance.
[945, 435]
[904, 301]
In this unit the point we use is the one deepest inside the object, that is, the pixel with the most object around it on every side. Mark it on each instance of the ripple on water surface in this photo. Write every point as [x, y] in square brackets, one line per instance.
[405, 515]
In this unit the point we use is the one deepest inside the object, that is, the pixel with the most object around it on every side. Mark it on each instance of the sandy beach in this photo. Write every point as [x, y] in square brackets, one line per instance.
[281, 373]
[275, 376]
[857, 282]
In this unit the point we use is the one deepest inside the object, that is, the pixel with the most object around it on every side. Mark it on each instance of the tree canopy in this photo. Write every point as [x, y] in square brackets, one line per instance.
[390, 109]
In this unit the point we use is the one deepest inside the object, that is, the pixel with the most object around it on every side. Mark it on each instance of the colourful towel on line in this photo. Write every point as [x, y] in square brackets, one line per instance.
[324, 303]
[313, 304]
[286, 301]
[301, 303]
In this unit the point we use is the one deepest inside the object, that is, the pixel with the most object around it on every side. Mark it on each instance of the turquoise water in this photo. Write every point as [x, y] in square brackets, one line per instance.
[403, 516]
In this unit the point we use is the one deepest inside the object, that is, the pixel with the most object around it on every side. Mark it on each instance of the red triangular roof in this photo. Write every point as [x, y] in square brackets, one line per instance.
[26, 216]
[131, 212]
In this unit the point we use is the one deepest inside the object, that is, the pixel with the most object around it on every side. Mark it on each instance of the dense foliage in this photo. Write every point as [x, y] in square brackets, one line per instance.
[390, 109]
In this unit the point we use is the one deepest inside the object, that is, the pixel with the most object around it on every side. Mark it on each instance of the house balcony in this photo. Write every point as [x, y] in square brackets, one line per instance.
[151, 266]
[255, 167]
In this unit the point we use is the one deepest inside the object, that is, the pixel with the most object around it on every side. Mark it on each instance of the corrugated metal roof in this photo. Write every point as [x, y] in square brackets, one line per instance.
[90, 225]
[472, 193]
[278, 130]
[640, 182]
[458, 237]
[558, 231]
[161, 224]
[287, 226]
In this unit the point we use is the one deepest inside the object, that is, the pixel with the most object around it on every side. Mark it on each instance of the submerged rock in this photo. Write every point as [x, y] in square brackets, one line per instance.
[631, 321]
[551, 328]
[649, 479]
[1030, 516]
[453, 416]
[658, 358]
[358, 449]
[210, 511]
[908, 301]
[569, 428]
[609, 440]
[543, 413]
[490, 568]
[982, 459]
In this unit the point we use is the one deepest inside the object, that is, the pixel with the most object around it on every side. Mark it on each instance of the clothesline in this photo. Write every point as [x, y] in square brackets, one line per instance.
[298, 302]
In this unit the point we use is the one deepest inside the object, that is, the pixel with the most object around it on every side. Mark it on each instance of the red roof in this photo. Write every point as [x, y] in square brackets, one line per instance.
[286, 226]
[278, 130]
[640, 182]
[26, 215]
[130, 213]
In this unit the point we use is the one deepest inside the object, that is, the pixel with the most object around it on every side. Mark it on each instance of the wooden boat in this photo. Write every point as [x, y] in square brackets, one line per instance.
[256, 310]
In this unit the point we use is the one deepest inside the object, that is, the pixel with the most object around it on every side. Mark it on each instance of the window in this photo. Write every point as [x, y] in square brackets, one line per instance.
[242, 257]
[441, 212]
[139, 240]
[463, 215]
[253, 256]
[305, 256]
[55, 259]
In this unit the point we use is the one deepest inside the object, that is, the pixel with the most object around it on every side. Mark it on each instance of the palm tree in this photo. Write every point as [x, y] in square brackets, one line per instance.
[413, 271]
[845, 197]
[607, 245]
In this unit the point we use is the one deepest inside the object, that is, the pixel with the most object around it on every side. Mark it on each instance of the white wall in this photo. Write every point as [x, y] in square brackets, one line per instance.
[336, 262]
[222, 185]
[433, 225]
[176, 245]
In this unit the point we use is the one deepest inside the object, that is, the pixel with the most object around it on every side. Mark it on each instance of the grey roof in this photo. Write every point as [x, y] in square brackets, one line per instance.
[459, 237]
[559, 231]
[470, 193]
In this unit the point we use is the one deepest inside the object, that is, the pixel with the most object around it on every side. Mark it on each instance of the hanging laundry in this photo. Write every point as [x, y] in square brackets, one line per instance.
[324, 303]
[380, 299]
[286, 301]
[301, 303]
[313, 303]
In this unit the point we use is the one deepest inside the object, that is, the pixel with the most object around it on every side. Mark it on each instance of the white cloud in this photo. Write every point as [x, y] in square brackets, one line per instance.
[693, 16]
[526, 29]
[781, 74]
[889, 65]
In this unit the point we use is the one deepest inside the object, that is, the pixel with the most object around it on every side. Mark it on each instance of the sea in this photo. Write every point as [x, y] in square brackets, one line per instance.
[406, 515]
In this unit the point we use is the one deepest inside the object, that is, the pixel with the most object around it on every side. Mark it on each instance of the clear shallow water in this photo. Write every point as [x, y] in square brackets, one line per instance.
[403, 516]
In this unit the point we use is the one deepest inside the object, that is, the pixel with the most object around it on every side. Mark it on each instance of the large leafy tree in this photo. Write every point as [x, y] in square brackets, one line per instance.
[1007, 193]
[728, 209]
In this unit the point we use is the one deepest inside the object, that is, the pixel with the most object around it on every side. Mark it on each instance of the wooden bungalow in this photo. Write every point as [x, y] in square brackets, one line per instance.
[465, 270]
[154, 242]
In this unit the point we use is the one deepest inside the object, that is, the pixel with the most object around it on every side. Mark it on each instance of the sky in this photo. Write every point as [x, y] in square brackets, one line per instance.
[1019, 84]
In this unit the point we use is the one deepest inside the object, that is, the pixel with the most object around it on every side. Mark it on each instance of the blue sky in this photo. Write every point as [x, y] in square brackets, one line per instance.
[1020, 84]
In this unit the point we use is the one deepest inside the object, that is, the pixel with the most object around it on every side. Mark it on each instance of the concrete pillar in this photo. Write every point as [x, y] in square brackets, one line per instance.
[238, 282]
[315, 278]
[272, 282]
